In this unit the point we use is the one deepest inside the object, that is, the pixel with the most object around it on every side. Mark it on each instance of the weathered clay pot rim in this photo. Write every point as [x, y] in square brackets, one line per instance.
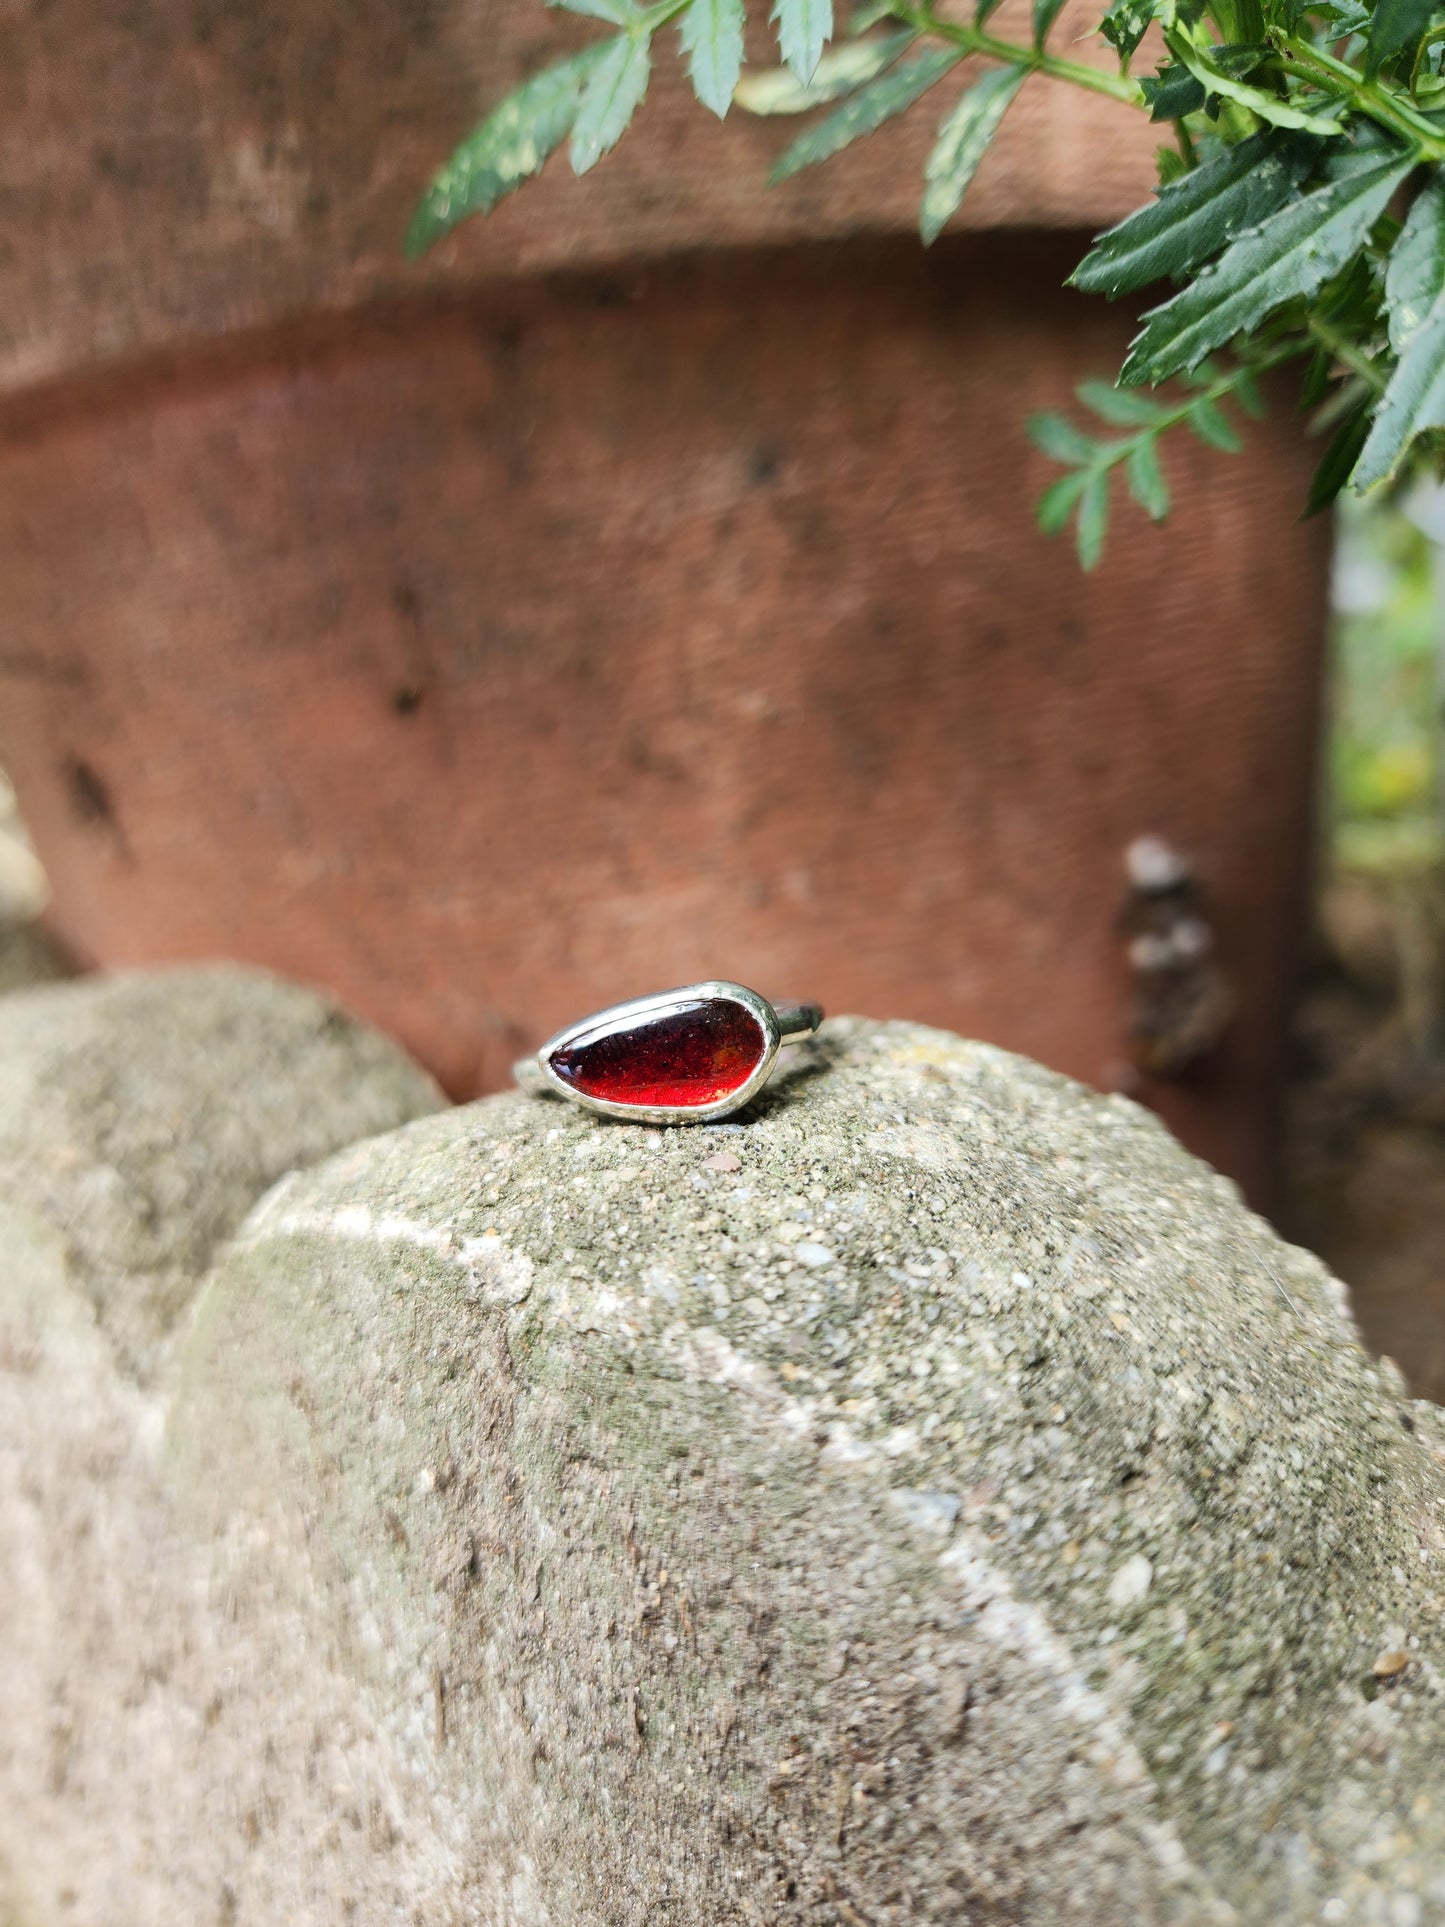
[195, 362]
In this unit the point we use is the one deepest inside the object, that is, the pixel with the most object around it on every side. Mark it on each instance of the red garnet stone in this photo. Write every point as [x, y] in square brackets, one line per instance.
[678, 1057]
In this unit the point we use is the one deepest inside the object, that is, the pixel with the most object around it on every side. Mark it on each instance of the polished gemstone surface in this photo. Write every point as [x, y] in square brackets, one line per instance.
[682, 1056]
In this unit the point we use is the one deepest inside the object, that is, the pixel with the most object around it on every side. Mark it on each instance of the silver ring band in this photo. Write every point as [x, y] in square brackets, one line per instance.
[684, 1056]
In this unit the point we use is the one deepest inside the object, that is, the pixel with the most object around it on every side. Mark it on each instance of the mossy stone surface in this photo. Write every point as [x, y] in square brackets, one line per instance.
[932, 1497]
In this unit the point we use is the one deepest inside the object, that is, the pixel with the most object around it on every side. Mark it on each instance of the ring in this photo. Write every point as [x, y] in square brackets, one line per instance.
[678, 1057]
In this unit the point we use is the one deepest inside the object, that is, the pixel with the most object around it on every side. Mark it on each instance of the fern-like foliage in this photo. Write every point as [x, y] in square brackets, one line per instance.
[1300, 213]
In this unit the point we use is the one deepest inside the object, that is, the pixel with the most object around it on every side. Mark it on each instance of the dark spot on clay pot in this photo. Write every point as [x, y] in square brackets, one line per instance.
[403, 599]
[89, 795]
[406, 701]
[763, 466]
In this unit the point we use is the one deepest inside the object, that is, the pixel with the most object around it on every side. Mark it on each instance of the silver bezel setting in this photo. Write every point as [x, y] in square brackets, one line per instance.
[638, 1008]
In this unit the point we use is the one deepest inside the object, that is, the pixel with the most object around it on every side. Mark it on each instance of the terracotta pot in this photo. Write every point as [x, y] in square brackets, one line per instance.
[487, 642]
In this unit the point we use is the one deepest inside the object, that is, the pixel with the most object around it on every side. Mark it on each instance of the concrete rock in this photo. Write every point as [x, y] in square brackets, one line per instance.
[139, 1120]
[961, 1511]
[141, 1117]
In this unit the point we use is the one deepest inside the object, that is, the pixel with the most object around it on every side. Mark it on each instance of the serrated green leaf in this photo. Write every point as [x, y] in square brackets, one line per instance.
[1171, 93]
[962, 142]
[1056, 504]
[508, 147]
[617, 13]
[840, 72]
[1345, 19]
[1093, 520]
[1337, 462]
[1416, 271]
[1126, 23]
[1288, 256]
[1211, 427]
[1269, 107]
[610, 99]
[1045, 13]
[1061, 441]
[1170, 165]
[712, 39]
[1238, 59]
[1146, 483]
[1393, 25]
[1196, 216]
[1120, 407]
[862, 18]
[804, 29]
[892, 94]
[1414, 401]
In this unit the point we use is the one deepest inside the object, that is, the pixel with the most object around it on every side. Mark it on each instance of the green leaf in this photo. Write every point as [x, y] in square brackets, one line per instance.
[1061, 441]
[1393, 25]
[1120, 407]
[986, 8]
[1195, 217]
[867, 110]
[1146, 483]
[1344, 19]
[1210, 426]
[1170, 165]
[1416, 271]
[1172, 93]
[1269, 107]
[1337, 462]
[1056, 504]
[1246, 393]
[617, 13]
[712, 38]
[1286, 257]
[1238, 59]
[962, 141]
[804, 28]
[508, 147]
[1126, 23]
[610, 99]
[1413, 402]
[1046, 12]
[842, 70]
[862, 18]
[1317, 378]
[1093, 519]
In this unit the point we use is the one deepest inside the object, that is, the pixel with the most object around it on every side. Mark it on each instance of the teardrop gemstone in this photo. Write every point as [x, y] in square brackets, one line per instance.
[679, 1057]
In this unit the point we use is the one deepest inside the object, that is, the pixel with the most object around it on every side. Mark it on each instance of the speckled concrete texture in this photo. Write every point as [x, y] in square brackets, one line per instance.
[139, 1120]
[141, 1116]
[931, 1497]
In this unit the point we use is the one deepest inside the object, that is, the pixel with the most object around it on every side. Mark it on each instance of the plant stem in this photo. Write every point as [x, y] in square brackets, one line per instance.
[1035, 59]
[1345, 351]
[1366, 96]
[1332, 77]
[1226, 383]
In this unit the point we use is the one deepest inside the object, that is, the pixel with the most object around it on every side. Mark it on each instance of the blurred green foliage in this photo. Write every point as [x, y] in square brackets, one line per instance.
[1388, 633]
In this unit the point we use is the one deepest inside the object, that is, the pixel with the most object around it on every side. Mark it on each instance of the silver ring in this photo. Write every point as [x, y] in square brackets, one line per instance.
[678, 1057]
